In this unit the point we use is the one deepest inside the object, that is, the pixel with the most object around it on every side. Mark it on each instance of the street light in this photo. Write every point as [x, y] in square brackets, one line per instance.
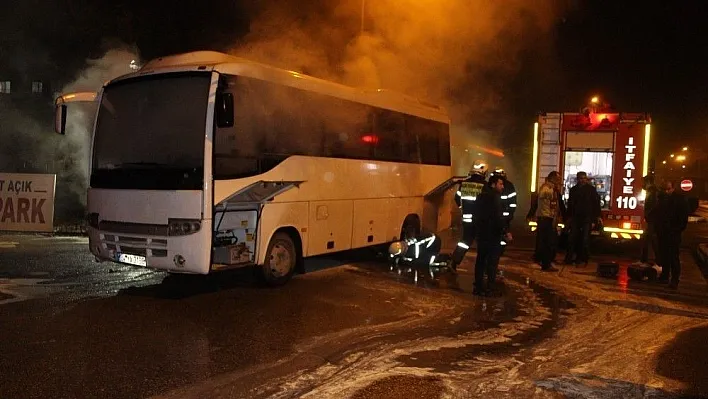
[680, 158]
[672, 155]
[683, 166]
[595, 100]
[664, 162]
[684, 149]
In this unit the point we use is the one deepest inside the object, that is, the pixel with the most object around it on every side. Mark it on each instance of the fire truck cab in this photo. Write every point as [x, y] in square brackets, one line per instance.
[611, 147]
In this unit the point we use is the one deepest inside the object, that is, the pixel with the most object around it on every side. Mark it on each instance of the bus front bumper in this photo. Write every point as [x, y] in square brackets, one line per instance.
[177, 254]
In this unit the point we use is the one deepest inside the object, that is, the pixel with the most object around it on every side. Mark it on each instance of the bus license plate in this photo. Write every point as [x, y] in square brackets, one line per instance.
[136, 260]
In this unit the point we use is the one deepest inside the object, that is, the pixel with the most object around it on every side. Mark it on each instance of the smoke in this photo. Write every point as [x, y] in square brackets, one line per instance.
[29, 144]
[463, 55]
[75, 149]
[115, 62]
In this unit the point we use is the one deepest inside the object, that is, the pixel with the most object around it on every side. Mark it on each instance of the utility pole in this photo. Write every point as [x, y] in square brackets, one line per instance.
[363, 9]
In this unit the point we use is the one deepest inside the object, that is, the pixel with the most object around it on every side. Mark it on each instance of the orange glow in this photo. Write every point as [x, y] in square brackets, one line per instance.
[626, 225]
[597, 119]
[623, 281]
[493, 151]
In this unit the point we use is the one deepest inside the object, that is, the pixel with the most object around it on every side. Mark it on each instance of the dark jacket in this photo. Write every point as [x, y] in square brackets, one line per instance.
[468, 191]
[488, 216]
[509, 198]
[650, 202]
[670, 214]
[583, 202]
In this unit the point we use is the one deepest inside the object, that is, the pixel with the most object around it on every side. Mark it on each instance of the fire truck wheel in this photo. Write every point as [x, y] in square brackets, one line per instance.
[280, 260]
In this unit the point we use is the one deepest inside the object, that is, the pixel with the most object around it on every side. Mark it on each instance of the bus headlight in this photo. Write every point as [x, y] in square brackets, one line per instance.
[181, 227]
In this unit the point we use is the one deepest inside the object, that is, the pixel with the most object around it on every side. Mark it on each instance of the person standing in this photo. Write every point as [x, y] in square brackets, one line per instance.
[490, 232]
[671, 220]
[466, 198]
[533, 211]
[583, 215]
[531, 217]
[547, 216]
[649, 240]
[509, 201]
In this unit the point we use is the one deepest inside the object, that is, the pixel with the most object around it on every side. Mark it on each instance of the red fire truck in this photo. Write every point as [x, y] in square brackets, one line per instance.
[611, 147]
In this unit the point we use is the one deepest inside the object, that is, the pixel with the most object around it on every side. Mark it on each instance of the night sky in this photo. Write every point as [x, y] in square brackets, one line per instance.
[645, 56]
[638, 55]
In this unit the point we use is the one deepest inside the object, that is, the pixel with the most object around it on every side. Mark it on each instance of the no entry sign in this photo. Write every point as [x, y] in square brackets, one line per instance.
[686, 185]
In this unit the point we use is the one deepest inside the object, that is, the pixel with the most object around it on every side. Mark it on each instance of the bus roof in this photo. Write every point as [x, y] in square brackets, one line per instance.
[229, 64]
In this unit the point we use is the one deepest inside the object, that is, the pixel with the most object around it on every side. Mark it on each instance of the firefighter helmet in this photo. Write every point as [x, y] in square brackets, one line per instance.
[397, 248]
[499, 171]
[479, 167]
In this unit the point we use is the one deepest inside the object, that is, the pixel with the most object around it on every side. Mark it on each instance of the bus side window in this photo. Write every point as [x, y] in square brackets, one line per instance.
[346, 126]
[390, 129]
[237, 149]
[433, 141]
[412, 142]
[312, 110]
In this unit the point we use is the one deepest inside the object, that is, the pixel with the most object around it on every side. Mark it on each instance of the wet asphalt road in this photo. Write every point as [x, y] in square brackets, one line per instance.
[74, 328]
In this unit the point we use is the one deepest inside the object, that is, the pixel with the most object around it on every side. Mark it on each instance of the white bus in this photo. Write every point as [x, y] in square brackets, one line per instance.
[204, 161]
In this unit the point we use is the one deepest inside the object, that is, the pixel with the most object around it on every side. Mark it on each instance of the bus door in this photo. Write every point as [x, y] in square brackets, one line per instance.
[439, 211]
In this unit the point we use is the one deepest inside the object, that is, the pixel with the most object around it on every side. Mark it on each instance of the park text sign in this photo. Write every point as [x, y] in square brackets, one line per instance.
[27, 202]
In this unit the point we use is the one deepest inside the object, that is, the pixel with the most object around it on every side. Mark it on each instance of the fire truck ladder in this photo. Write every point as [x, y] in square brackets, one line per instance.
[549, 143]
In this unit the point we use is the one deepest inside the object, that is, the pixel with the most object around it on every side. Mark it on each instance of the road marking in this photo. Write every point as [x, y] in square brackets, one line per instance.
[8, 244]
[21, 289]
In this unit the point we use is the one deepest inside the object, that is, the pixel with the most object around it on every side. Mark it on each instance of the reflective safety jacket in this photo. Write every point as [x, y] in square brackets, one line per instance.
[467, 194]
[508, 198]
[422, 250]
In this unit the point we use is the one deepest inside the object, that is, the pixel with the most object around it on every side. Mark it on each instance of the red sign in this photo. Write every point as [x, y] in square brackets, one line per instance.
[686, 185]
[627, 170]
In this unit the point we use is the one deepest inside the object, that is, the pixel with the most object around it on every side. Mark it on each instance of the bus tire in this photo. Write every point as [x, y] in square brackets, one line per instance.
[411, 227]
[280, 260]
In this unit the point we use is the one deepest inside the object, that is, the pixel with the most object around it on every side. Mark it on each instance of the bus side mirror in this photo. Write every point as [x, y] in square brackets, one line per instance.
[60, 119]
[224, 109]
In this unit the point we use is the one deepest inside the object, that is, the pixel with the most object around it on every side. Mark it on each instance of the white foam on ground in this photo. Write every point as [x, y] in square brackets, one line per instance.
[360, 369]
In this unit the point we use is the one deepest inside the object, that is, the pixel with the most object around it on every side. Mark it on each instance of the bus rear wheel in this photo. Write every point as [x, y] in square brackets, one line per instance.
[280, 260]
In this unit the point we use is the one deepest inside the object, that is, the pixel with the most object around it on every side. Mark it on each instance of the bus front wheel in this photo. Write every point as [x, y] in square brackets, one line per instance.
[280, 260]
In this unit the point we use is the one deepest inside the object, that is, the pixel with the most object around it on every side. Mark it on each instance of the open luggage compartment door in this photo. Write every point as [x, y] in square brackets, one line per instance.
[236, 222]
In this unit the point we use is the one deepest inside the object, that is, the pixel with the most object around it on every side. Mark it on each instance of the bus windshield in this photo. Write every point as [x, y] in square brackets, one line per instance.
[150, 133]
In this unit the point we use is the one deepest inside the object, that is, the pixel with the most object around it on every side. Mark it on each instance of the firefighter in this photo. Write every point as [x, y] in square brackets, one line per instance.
[465, 198]
[420, 253]
[491, 223]
[508, 198]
